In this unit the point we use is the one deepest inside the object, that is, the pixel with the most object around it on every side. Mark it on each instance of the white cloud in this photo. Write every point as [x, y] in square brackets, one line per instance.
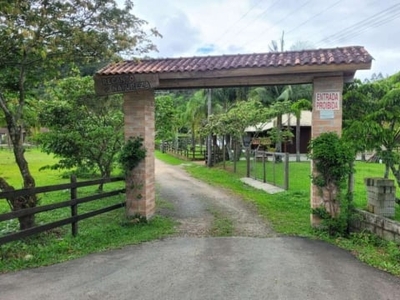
[214, 27]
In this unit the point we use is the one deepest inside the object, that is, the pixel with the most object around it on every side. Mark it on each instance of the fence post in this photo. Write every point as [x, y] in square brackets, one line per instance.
[274, 169]
[74, 207]
[286, 183]
[264, 172]
[248, 161]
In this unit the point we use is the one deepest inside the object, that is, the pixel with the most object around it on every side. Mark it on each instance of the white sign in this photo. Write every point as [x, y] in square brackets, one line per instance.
[327, 101]
[326, 114]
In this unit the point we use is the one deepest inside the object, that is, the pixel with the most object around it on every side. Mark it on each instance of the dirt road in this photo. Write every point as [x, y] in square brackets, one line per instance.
[196, 206]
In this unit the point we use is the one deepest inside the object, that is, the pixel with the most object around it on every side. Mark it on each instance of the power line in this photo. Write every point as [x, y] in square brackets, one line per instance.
[259, 16]
[377, 19]
[238, 20]
[375, 24]
[383, 15]
[284, 18]
[314, 16]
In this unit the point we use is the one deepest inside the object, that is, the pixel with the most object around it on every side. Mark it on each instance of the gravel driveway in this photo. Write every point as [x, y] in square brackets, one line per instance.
[196, 204]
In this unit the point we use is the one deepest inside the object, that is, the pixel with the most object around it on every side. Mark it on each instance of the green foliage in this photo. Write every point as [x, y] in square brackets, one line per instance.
[165, 117]
[372, 120]
[86, 131]
[299, 105]
[333, 160]
[338, 225]
[279, 136]
[234, 122]
[40, 40]
[132, 153]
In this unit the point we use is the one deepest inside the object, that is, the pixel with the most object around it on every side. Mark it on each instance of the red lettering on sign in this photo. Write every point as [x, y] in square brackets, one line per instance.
[327, 100]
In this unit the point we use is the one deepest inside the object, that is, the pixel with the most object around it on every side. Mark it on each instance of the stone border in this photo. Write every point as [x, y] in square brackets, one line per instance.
[383, 227]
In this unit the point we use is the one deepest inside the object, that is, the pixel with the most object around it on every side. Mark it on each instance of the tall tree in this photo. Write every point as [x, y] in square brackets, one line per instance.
[196, 113]
[377, 126]
[37, 38]
[165, 117]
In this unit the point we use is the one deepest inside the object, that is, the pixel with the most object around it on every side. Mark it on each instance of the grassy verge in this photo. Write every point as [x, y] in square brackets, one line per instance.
[289, 212]
[103, 232]
[169, 158]
[222, 225]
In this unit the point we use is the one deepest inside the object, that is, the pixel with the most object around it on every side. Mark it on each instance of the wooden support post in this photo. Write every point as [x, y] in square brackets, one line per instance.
[74, 206]
[286, 180]
[274, 169]
[264, 166]
[247, 162]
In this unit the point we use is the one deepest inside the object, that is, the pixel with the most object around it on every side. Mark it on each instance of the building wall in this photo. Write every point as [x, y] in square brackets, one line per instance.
[305, 137]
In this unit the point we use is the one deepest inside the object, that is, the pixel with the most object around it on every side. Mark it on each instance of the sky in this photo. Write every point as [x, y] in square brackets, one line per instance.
[217, 27]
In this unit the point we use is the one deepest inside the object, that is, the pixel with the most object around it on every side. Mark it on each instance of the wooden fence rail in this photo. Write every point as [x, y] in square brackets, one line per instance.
[73, 203]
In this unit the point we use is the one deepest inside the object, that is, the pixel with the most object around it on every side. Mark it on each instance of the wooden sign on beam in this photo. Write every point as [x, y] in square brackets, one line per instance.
[124, 83]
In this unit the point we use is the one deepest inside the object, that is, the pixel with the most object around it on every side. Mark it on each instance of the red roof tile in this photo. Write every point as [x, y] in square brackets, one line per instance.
[336, 56]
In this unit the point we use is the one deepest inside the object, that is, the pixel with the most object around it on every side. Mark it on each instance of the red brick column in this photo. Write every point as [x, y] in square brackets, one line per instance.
[139, 121]
[328, 120]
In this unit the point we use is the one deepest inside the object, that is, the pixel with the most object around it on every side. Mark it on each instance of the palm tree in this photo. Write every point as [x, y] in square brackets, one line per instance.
[288, 93]
[196, 113]
[227, 97]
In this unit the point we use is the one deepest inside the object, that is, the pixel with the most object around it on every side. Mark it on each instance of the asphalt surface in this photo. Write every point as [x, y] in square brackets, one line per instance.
[254, 265]
[207, 268]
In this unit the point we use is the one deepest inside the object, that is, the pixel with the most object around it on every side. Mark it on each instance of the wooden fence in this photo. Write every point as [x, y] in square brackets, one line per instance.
[72, 203]
[185, 152]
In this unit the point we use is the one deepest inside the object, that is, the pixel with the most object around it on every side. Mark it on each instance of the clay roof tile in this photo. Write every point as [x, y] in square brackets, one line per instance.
[344, 55]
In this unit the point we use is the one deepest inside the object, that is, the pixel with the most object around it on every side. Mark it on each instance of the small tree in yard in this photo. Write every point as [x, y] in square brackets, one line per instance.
[86, 131]
[378, 128]
[332, 158]
[38, 37]
[235, 121]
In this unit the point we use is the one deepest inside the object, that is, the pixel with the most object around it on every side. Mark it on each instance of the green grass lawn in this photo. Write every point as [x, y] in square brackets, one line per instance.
[289, 212]
[106, 231]
[299, 178]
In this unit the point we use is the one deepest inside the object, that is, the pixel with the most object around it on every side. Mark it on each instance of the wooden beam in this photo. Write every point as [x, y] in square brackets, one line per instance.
[124, 83]
[242, 81]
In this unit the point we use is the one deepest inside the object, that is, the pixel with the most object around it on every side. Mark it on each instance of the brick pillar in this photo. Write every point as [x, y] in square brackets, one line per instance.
[139, 121]
[325, 118]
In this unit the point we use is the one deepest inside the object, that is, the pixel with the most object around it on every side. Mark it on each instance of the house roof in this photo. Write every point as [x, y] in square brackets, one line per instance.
[334, 56]
[287, 120]
[257, 69]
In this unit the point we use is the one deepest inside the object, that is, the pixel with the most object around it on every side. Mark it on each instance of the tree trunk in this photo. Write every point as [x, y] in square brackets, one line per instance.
[209, 139]
[386, 174]
[14, 119]
[19, 203]
[278, 145]
[193, 148]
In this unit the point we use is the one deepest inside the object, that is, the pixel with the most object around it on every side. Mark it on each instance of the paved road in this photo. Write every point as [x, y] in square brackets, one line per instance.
[256, 265]
[207, 268]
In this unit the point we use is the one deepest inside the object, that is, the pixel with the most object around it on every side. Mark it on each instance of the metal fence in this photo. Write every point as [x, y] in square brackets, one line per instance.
[270, 167]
